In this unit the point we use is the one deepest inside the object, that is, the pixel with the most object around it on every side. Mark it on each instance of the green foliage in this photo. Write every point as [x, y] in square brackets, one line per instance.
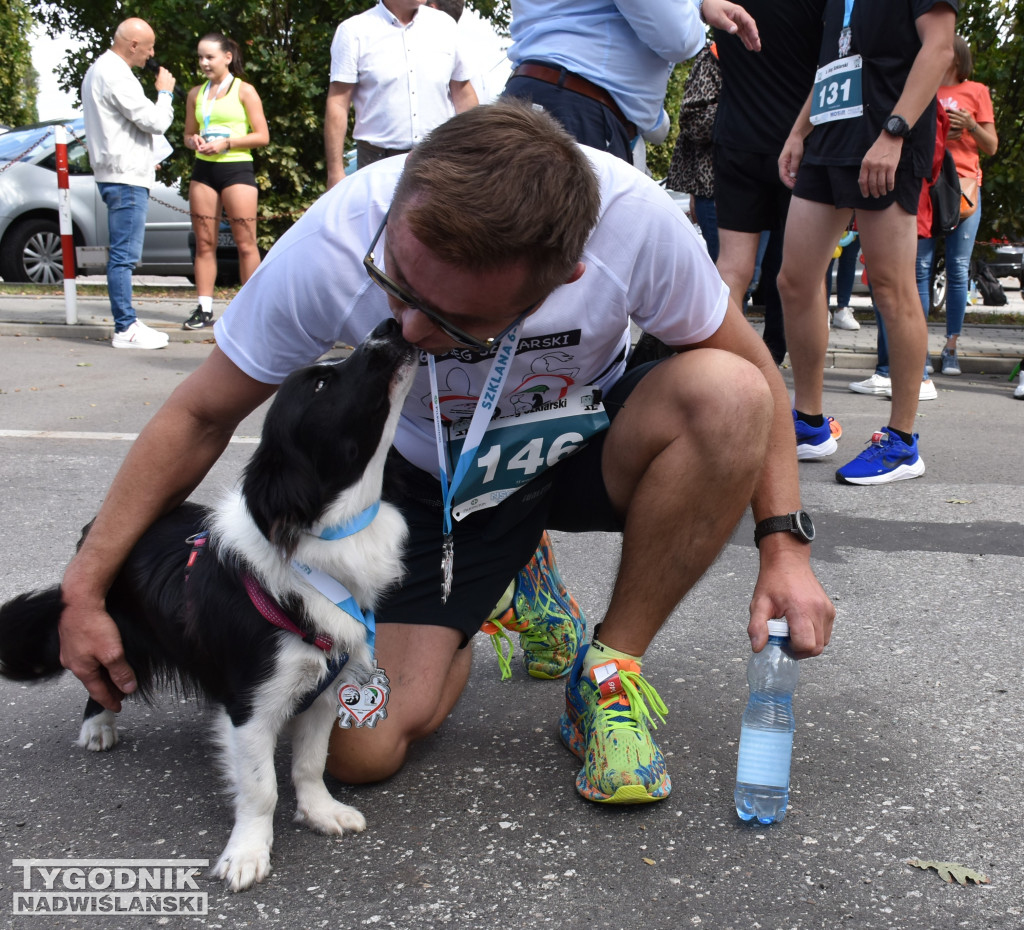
[660, 156]
[18, 79]
[994, 29]
[286, 45]
[286, 48]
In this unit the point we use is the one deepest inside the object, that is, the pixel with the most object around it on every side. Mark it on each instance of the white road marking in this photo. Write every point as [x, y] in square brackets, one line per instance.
[116, 437]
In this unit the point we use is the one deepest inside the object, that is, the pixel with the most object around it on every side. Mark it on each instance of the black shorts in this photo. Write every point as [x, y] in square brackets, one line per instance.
[221, 174]
[749, 195]
[492, 545]
[837, 185]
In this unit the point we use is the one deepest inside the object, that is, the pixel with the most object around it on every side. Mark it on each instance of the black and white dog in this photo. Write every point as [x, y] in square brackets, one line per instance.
[309, 498]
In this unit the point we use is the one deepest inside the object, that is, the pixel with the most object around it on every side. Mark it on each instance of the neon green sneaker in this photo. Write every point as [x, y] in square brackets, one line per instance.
[547, 618]
[607, 724]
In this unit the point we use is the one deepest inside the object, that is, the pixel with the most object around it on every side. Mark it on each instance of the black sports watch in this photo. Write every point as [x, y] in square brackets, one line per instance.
[896, 125]
[799, 523]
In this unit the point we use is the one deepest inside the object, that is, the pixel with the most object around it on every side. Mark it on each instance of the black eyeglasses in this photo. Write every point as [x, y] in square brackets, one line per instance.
[449, 329]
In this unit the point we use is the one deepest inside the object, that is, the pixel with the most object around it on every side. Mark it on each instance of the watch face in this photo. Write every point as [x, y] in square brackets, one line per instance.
[897, 126]
[806, 525]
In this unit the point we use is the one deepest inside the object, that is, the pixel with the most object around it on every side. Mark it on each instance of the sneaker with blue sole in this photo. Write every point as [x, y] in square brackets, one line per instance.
[538, 606]
[887, 458]
[607, 724]
[815, 442]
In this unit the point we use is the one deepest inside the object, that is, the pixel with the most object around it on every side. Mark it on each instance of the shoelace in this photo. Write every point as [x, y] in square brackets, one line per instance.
[639, 693]
[503, 646]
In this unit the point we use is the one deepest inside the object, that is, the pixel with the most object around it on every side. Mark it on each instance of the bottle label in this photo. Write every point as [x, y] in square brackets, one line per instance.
[764, 757]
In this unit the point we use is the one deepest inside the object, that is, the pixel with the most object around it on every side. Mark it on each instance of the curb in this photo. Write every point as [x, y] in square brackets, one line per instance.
[844, 359]
[94, 331]
[969, 364]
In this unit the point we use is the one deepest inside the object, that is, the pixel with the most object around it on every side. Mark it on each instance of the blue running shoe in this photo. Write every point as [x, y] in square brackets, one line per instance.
[887, 458]
[815, 442]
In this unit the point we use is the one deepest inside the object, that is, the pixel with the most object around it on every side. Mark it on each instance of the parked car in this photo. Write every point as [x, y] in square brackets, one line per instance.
[1004, 259]
[30, 247]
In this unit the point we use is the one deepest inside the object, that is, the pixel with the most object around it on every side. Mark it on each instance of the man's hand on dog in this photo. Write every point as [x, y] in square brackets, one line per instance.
[90, 648]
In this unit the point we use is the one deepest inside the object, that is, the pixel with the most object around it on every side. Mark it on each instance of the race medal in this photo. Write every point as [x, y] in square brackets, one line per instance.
[837, 91]
[447, 566]
[364, 705]
[845, 41]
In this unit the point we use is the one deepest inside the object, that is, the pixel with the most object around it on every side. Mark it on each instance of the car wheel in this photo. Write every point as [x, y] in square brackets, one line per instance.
[32, 252]
[939, 285]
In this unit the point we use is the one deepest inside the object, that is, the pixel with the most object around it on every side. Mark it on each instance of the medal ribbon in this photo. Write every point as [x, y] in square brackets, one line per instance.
[845, 34]
[340, 596]
[207, 102]
[482, 414]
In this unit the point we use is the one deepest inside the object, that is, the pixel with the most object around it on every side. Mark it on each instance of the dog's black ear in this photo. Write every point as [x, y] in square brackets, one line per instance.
[280, 486]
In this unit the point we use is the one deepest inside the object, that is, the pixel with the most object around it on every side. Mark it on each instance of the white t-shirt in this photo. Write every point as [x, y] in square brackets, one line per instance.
[643, 262]
[401, 73]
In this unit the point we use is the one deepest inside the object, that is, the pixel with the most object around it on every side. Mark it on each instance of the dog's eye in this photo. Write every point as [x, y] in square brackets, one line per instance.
[320, 385]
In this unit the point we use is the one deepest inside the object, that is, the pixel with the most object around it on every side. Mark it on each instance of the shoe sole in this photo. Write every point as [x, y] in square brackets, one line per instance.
[135, 345]
[812, 453]
[920, 396]
[900, 473]
[857, 389]
[572, 739]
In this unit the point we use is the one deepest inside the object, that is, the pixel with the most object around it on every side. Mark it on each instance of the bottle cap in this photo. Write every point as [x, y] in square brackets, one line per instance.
[778, 628]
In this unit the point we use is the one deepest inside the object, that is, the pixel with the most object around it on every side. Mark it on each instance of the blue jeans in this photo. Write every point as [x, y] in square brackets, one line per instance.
[923, 268]
[845, 275]
[126, 221]
[707, 220]
[959, 246]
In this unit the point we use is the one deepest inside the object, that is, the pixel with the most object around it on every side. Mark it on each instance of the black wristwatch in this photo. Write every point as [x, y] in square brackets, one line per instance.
[896, 125]
[799, 523]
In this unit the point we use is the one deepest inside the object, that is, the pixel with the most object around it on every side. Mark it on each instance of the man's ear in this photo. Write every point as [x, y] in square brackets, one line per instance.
[577, 272]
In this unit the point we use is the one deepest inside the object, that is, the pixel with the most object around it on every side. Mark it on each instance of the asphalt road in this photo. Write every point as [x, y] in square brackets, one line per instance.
[910, 728]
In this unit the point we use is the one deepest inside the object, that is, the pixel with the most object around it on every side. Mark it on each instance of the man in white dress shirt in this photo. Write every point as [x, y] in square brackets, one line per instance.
[399, 65]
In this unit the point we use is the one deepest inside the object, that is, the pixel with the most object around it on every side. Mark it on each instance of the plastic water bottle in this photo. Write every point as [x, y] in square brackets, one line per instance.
[766, 739]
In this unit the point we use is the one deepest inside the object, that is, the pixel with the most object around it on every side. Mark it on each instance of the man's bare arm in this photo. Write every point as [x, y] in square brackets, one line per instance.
[171, 456]
[339, 99]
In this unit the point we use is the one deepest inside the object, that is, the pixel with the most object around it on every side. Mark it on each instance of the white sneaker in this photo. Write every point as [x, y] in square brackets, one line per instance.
[140, 336]
[843, 319]
[1018, 391]
[926, 392]
[876, 384]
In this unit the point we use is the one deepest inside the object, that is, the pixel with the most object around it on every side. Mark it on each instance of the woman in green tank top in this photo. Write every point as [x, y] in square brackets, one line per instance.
[224, 122]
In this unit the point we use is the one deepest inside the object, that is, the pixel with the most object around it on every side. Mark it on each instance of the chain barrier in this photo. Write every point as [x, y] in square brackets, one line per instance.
[35, 144]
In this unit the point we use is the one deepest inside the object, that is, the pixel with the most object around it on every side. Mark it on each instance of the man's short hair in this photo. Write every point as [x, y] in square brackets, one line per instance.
[498, 184]
[453, 8]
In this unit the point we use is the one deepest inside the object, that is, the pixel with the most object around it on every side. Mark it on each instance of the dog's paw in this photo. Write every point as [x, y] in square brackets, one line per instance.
[242, 865]
[99, 733]
[330, 816]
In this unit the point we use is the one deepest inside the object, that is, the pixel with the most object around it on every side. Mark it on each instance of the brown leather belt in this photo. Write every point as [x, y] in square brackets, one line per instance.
[378, 151]
[560, 77]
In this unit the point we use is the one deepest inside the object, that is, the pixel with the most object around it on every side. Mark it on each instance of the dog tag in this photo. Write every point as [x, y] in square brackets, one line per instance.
[364, 705]
[447, 566]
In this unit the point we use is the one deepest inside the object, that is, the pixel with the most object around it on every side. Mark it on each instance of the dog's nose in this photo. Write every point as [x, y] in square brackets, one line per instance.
[387, 329]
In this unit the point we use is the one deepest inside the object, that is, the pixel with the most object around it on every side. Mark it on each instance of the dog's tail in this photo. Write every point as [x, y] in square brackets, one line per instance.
[29, 641]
